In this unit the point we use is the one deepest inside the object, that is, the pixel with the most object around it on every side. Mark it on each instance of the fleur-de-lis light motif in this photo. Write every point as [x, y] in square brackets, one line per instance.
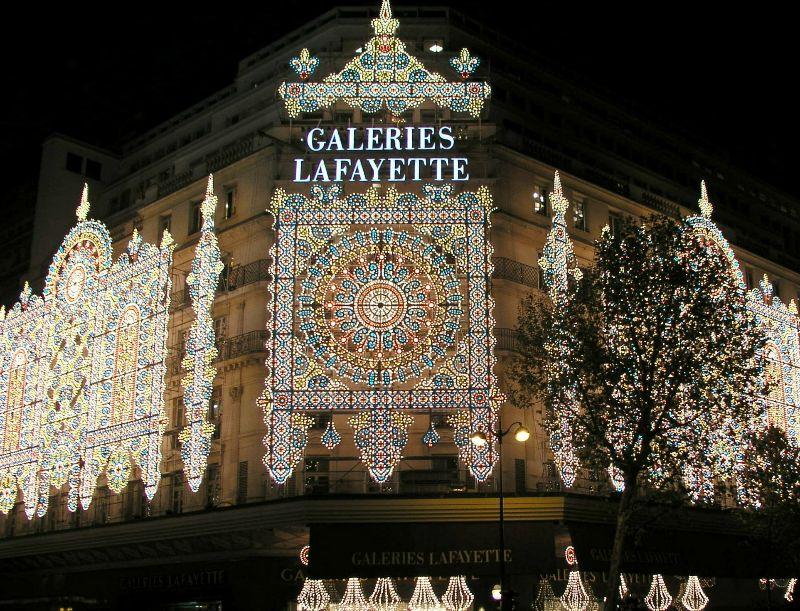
[465, 64]
[304, 64]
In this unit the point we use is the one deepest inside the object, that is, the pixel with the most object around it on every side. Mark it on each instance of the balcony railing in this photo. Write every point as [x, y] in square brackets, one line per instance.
[236, 277]
[506, 339]
[228, 348]
[509, 269]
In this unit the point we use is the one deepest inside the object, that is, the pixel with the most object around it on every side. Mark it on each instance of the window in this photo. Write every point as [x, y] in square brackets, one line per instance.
[195, 218]
[317, 480]
[94, 169]
[125, 199]
[177, 413]
[241, 483]
[164, 224]
[74, 163]
[176, 493]
[221, 328]
[215, 411]
[342, 117]
[748, 277]
[776, 289]
[212, 486]
[429, 117]
[579, 217]
[539, 201]
[321, 420]
[230, 202]
[615, 223]
[519, 475]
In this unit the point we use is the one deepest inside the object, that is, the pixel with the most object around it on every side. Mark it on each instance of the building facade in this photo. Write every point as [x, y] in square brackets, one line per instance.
[232, 537]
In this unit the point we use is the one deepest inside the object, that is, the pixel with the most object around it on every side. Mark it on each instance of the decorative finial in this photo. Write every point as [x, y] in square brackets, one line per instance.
[557, 199]
[83, 207]
[793, 307]
[209, 205]
[706, 207]
[766, 286]
[166, 240]
[384, 25]
[2, 313]
[25, 295]
[135, 242]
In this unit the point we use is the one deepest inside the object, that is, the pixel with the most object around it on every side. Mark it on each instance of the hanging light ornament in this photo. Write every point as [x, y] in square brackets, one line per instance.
[313, 596]
[694, 599]
[575, 597]
[424, 598]
[789, 596]
[384, 597]
[353, 599]
[546, 600]
[658, 598]
[623, 587]
[458, 596]
[431, 436]
[331, 437]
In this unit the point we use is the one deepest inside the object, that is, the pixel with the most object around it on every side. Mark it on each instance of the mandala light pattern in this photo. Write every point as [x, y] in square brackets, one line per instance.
[384, 74]
[313, 596]
[381, 307]
[200, 347]
[458, 596]
[658, 598]
[353, 599]
[424, 598]
[558, 263]
[384, 597]
[694, 599]
[82, 371]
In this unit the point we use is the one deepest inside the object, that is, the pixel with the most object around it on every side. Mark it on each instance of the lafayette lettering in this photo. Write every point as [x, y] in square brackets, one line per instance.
[373, 169]
[447, 557]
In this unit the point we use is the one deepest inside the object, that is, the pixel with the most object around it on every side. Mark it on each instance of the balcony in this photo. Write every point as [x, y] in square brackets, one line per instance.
[236, 277]
[509, 269]
[252, 342]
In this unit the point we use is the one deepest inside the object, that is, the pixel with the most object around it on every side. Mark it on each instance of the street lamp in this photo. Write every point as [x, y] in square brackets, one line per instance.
[479, 440]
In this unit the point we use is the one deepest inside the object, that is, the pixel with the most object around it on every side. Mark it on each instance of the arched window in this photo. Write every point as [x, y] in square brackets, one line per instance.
[15, 400]
[776, 400]
[125, 366]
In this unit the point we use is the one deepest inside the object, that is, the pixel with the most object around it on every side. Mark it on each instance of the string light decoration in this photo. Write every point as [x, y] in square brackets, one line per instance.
[789, 594]
[575, 597]
[558, 263]
[353, 599]
[384, 597]
[381, 307]
[331, 437]
[424, 598]
[313, 596]
[623, 587]
[658, 598]
[82, 370]
[201, 349]
[458, 596]
[384, 74]
[694, 599]
[304, 551]
[546, 600]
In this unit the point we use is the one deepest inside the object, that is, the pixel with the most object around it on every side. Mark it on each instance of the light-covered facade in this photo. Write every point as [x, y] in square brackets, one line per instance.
[533, 124]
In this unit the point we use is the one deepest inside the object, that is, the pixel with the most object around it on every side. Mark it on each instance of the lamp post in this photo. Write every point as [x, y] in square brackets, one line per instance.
[478, 438]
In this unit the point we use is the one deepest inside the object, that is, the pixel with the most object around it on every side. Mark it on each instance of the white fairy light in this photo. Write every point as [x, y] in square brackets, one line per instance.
[575, 597]
[694, 599]
[623, 587]
[458, 596]
[353, 599]
[789, 596]
[546, 600]
[313, 596]
[658, 598]
[424, 598]
[384, 597]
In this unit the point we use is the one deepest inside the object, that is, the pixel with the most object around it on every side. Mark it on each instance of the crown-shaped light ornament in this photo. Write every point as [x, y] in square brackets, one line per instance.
[83, 207]
[384, 75]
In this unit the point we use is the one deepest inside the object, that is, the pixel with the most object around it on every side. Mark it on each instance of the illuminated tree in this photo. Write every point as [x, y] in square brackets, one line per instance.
[771, 475]
[645, 364]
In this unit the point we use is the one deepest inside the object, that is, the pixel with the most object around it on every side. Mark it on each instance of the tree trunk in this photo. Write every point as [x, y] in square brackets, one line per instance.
[623, 514]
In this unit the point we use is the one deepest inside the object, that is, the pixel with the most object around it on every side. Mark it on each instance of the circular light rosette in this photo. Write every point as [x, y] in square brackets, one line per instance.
[380, 306]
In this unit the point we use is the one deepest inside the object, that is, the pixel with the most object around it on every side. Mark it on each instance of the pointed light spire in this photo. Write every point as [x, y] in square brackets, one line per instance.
[83, 207]
[384, 24]
[209, 205]
[706, 207]
[557, 199]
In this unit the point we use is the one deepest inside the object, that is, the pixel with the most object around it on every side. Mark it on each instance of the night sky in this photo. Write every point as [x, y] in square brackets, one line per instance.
[103, 76]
